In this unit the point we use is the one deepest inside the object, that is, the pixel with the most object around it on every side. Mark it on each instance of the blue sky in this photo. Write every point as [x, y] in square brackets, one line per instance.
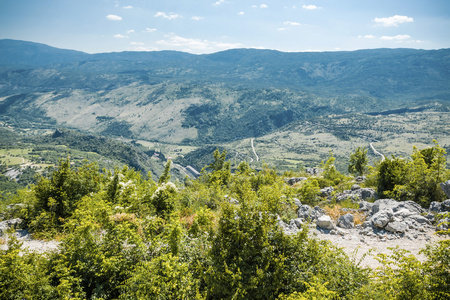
[206, 26]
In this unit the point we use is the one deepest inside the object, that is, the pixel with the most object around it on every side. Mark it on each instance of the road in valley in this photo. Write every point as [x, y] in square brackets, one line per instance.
[376, 152]
[253, 148]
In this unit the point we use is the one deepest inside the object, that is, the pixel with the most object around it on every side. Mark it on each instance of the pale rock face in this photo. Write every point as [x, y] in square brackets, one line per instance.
[445, 186]
[325, 222]
[382, 218]
[396, 227]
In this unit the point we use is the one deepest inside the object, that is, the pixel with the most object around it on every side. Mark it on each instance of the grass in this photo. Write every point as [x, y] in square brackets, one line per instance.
[336, 210]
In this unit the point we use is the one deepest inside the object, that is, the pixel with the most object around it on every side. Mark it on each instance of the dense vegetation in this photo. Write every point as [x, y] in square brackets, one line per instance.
[217, 237]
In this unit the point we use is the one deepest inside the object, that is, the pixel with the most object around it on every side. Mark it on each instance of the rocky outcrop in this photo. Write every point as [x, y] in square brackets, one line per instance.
[326, 191]
[386, 219]
[346, 221]
[309, 214]
[445, 186]
[397, 217]
[356, 193]
[439, 207]
[12, 223]
[294, 180]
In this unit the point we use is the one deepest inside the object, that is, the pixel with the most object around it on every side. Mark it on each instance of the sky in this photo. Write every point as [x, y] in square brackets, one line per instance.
[207, 26]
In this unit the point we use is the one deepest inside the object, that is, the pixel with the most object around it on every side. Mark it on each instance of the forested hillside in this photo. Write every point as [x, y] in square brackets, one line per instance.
[222, 97]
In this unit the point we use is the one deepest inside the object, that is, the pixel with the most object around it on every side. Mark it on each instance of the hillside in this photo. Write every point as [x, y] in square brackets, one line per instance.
[297, 106]
[180, 97]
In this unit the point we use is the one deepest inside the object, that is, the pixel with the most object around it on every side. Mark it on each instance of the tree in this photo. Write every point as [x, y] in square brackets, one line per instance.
[391, 172]
[166, 174]
[358, 161]
[221, 174]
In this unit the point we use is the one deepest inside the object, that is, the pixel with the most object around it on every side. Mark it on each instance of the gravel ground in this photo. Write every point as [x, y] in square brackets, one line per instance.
[31, 244]
[362, 244]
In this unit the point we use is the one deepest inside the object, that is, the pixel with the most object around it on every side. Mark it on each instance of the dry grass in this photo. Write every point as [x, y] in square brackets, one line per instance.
[335, 211]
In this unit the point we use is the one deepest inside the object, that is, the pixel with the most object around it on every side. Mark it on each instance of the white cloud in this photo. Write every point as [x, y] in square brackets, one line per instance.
[367, 36]
[120, 36]
[114, 18]
[197, 18]
[282, 29]
[292, 23]
[137, 44]
[219, 2]
[130, 31]
[149, 29]
[393, 21]
[263, 6]
[400, 37]
[195, 45]
[170, 16]
[311, 7]
[128, 7]
[241, 13]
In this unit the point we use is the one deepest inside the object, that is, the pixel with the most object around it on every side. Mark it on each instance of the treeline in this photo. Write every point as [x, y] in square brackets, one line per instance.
[217, 237]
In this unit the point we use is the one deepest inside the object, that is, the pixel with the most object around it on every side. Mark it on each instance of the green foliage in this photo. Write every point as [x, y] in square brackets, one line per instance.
[358, 161]
[123, 237]
[23, 275]
[221, 173]
[437, 267]
[165, 176]
[402, 276]
[57, 197]
[391, 172]
[309, 191]
[331, 176]
[164, 199]
[417, 179]
[164, 277]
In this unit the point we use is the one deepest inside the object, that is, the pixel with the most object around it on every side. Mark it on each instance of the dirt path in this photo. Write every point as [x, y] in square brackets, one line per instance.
[253, 148]
[353, 241]
[376, 152]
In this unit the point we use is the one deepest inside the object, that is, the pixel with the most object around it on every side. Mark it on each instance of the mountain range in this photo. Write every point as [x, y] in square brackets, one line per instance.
[221, 97]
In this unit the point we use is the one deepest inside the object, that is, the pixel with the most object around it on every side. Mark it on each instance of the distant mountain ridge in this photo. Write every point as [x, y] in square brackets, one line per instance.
[224, 96]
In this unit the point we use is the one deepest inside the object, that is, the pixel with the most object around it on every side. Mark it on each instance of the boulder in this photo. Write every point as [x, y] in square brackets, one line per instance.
[443, 224]
[365, 206]
[314, 171]
[306, 213]
[409, 205]
[445, 186]
[420, 219]
[382, 218]
[446, 205]
[325, 222]
[438, 207]
[297, 202]
[326, 191]
[298, 222]
[294, 180]
[396, 227]
[383, 204]
[288, 229]
[435, 207]
[367, 193]
[355, 187]
[346, 221]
